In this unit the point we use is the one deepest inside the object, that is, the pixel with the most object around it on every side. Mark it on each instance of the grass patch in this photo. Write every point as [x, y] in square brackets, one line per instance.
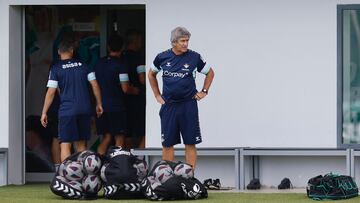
[40, 193]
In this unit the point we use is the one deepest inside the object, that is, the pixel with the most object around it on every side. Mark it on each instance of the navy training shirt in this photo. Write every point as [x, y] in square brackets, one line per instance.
[136, 64]
[179, 74]
[110, 72]
[71, 76]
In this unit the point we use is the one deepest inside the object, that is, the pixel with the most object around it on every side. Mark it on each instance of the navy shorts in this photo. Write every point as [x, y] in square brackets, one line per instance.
[136, 117]
[74, 128]
[114, 123]
[180, 118]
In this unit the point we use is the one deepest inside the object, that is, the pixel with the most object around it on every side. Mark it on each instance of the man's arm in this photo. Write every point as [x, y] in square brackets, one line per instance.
[142, 78]
[141, 73]
[207, 83]
[127, 89]
[96, 90]
[50, 94]
[155, 86]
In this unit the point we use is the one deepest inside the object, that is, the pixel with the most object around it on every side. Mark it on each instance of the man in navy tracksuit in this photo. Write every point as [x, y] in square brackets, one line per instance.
[112, 75]
[179, 110]
[71, 76]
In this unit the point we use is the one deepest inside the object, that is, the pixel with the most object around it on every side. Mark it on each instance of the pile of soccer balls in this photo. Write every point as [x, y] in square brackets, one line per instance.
[163, 172]
[172, 181]
[78, 176]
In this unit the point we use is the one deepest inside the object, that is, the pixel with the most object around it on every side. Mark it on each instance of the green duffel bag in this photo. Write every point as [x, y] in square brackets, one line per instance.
[331, 186]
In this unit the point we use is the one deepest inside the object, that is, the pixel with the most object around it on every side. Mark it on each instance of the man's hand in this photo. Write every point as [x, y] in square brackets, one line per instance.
[44, 120]
[136, 90]
[99, 110]
[160, 99]
[200, 95]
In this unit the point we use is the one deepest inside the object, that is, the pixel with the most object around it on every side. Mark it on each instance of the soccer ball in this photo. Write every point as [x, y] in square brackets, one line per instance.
[102, 172]
[76, 185]
[92, 164]
[141, 169]
[153, 182]
[74, 171]
[163, 172]
[84, 154]
[61, 170]
[91, 183]
[184, 170]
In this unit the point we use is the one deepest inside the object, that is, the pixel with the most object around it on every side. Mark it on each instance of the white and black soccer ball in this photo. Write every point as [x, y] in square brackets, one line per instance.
[91, 183]
[102, 172]
[163, 172]
[92, 164]
[141, 170]
[84, 154]
[76, 185]
[184, 170]
[62, 168]
[74, 171]
[153, 182]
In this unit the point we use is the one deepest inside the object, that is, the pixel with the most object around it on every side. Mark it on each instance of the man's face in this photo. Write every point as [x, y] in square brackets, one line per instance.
[181, 45]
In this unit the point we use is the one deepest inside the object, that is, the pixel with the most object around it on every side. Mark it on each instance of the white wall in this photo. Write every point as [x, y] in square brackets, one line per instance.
[4, 75]
[275, 65]
[275, 69]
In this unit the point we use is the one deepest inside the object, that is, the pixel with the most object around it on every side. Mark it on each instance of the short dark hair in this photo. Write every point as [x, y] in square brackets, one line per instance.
[115, 43]
[131, 35]
[66, 46]
[67, 43]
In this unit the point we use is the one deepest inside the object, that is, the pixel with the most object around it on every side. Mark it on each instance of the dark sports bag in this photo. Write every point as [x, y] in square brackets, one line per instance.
[123, 177]
[331, 186]
[175, 188]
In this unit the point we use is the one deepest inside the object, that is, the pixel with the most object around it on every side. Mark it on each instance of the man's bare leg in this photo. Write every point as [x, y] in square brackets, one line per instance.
[65, 150]
[168, 153]
[142, 142]
[120, 140]
[104, 144]
[191, 155]
[80, 145]
[55, 151]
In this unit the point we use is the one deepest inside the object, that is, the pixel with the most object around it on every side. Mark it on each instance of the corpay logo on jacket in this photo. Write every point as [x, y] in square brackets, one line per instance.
[175, 74]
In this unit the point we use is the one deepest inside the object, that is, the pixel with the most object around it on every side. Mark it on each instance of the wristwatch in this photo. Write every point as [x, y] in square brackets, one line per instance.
[205, 91]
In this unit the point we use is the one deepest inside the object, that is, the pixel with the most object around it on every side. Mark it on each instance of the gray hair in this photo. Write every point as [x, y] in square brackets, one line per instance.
[178, 33]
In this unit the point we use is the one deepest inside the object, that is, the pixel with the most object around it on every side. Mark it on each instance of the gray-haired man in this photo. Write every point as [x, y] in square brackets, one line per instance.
[179, 110]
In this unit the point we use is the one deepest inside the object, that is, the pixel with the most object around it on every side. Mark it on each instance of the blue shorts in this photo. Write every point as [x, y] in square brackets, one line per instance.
[180, 118]
[112, 122]
[74, 128]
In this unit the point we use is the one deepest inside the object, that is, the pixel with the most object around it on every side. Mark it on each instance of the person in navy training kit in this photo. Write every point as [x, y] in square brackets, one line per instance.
[135, 103]
[179, 110]
[71, 76]
[113, 78]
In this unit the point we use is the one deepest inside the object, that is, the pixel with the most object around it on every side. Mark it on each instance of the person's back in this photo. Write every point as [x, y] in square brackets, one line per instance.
[72, 77]
[107, 72]
[135, 103]
[136, 66]
[113, 80]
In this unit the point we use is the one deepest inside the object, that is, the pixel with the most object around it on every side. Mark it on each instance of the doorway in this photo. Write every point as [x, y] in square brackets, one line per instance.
[44, 28]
